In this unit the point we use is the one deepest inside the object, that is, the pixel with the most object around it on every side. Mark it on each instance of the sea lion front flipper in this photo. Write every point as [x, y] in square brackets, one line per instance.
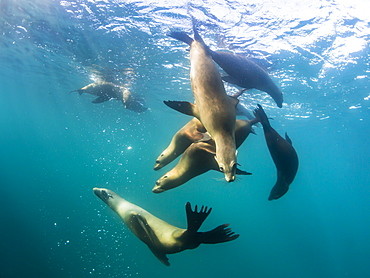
[145, 233]
[217, 235]
[142, 229]
[238, 94]
[202, 137]
[194, 218]
[80, 91]
[288, 138]
[101, 99]
[230, 79]
[181, 36]
[234, 101]
[208, 148]
[182, 106]
[241, 172]
[261, 116]
[160, 256]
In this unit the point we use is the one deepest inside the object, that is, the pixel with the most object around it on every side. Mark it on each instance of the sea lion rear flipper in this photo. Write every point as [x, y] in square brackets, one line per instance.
[145, 233]
[217, 235]
[288, 138]
[101, 99]
[194, 218]
[182, 106]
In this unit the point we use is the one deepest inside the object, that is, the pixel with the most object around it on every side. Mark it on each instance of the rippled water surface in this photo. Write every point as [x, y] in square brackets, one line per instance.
[55, 146]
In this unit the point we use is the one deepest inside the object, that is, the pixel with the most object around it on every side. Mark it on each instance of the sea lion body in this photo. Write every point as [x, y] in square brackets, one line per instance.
[161, 237]
[107, 90]
[283, 154]
[245, 73]
[199, 159]
[213, 107]
[188, 134]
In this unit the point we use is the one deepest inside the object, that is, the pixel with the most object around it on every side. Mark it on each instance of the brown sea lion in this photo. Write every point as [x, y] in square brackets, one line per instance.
[161, 237]
[199, 159]
[213, 107]
[107, 90]
[283, 154]
[191, 132]
[247, 74]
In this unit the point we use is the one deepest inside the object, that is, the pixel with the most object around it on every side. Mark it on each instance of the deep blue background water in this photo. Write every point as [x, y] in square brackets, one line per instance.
[55, 147]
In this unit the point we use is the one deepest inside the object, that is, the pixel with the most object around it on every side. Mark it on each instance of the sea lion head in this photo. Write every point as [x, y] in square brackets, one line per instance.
[162, 184]
[107, 196]
[169, 180]
[278, 190]
[227, 165]
[158, 163]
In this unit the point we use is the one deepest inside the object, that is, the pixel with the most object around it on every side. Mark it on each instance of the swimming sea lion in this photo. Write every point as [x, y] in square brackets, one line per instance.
[163, 238]
[198, 159]
[247, 74]
[283, 154]
[107, 90]
[189, 133]
[214, 108]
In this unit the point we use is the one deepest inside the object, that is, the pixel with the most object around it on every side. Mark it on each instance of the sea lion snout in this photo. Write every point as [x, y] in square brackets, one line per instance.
[229, 178]
[157, 165]
[102, 193]
[157, 190]
[229, 170]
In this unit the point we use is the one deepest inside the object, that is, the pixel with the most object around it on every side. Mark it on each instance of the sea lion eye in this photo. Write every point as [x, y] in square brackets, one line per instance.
[106, 194]
[221, 168]
[165, 177]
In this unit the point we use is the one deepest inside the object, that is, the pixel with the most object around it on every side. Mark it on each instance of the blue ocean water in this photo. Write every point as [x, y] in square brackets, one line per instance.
[55, 146]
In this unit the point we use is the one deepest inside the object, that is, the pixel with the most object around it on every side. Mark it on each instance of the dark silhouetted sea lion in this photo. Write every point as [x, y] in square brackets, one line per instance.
[213, 107]
[163, 238]
[247, 74]
[107, 90]
[191, 132]
[283, 154]
[198, 159]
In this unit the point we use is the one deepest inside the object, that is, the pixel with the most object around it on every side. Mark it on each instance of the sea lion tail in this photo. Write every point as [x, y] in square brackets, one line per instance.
[261, 116]
[181, 36]
[218, 235]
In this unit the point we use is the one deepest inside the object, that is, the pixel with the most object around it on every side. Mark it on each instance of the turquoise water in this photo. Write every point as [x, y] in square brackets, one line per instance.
[55, 146]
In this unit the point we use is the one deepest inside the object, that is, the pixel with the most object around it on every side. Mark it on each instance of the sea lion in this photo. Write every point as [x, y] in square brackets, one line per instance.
[108, 90]
[191, 132]
[214, 108]
[199, 158]
[283, 154]
[161, 237]
[247, 74]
